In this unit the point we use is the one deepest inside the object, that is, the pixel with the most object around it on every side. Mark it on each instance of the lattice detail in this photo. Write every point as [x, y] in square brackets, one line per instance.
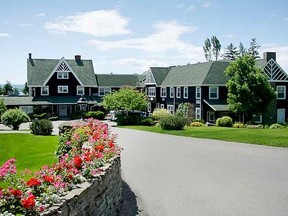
[275, 72]
[62, 67]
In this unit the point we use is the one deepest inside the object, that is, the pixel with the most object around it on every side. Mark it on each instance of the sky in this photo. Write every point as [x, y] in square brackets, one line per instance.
[129, 36]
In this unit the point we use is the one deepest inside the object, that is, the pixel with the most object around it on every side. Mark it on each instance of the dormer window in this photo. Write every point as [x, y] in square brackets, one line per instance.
[45, 90]
[62, 75]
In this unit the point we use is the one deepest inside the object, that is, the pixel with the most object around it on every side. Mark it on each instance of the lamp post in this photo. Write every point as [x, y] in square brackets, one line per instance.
[82, 102]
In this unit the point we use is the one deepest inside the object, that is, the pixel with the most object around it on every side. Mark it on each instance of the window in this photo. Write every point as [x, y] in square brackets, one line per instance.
[45, 90]
[198, 113]
[213, 92]
[157, 105]
[149, 107]
[185, 92]
[257, 118]
[27, 109]
[152, 92]
[104, 91]
[211, 116]
[80, 90]
[162, 106]
[170, 108]
[198, 92]
[178, 92]
[62, 89]
[62, 75]
[281, 92]
[163, 91]
[171, 92]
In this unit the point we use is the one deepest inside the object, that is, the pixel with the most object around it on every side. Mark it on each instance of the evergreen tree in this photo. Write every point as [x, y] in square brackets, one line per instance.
[231, 52]
[25, 89]
[242, 50]
[7, 87]
[216, 47]
[253, 49]
[207, 49]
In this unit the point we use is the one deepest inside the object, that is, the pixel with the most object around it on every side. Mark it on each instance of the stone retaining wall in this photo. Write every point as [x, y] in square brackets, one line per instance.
[100, 197]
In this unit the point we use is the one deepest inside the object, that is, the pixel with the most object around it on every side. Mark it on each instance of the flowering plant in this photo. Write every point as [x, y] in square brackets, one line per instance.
[82, 151]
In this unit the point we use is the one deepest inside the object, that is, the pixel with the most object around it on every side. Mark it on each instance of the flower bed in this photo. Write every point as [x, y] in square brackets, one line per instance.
[86, 154]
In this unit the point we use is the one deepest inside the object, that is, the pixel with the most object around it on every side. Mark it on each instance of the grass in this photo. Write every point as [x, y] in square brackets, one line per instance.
[268, 137]
[30, 151]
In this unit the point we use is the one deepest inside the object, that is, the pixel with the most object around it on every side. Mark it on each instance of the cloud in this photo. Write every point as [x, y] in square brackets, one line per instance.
[191, 8]
[142, 64]
[39, 14]
[99, 23]
[207, 4]
[4, 35]
[229, 36]
[166, 37]
[26, 24]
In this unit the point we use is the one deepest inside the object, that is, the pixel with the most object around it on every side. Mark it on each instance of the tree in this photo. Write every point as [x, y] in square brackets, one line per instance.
[127, 98]
[207, 49]
[7, 87]
[249, 91]
[216, 47]
[242, 50]
[2, 107]
[14, 117]
[25, 89]
[231, 52]
[253, 49]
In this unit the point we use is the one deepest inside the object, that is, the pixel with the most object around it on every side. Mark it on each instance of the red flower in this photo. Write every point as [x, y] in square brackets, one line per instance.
[16, 193]
[99, 148]
[48, 179]
[111, 144]
[29, 202]
[77, 162]
[33, 182]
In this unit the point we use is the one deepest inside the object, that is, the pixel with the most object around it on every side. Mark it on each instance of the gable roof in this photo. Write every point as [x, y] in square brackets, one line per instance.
[197, 74]
[38, 70]
[117, 80]
[159, 73]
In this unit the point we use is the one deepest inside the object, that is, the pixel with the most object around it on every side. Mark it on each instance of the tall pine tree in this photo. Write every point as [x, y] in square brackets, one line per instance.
[253, 49]
[231, 52]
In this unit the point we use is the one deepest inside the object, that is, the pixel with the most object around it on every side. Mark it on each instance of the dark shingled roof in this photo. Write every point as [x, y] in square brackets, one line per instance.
[117, 80]
[38, 70]
[159, 73]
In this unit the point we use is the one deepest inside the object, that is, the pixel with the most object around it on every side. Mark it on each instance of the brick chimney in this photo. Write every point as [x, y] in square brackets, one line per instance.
[77, 58]
[269, 55]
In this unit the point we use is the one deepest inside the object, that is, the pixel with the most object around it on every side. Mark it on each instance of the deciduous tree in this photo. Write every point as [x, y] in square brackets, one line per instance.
[216, 47]
[207, 49]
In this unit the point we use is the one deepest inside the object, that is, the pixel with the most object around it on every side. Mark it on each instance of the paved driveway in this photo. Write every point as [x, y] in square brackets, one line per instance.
[170, 175]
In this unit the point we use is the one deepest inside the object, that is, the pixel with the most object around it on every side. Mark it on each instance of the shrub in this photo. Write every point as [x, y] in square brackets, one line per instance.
[259, 126]
[158, 114]
[170, 122]
[276, 126]
[196, 124]
[40, 116]
[147, 122]
[41, 127]
[225, 121]
[238, 125]
[199, 120]
[14, 117]
[125, 118]
[95, 114]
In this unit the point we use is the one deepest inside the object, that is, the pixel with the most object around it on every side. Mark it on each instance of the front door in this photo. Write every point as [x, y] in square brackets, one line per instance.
[280, 115]
[63, 111]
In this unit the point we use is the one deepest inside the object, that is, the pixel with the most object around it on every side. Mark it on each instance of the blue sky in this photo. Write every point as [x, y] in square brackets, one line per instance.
[129, 36]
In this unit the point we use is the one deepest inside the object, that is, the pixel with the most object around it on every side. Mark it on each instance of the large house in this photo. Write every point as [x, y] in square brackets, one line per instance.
[204, 86]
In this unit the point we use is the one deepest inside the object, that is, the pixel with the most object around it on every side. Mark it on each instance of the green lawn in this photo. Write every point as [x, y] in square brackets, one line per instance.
[269, 137]
[30, 151]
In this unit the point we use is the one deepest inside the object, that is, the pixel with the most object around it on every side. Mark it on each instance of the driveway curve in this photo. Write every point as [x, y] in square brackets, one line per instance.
[172, 175]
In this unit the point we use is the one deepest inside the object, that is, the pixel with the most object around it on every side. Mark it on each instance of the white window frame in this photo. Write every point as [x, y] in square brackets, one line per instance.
[43, 90]
[185, 92]
[63, 89]
[162, 106]
[178, 92]
[198, 92]
[259, 116]
[151, 91]
[171, 92]
[149, 107]
[170, 108]
[163, 91]
[80, 90]
[210, 92]
[104, 90]
[211, 116]
[284, 92]
[62, 75]
[198, 113]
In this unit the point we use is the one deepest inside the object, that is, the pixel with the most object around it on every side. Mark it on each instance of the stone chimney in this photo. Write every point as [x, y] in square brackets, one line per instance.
[77, 58]
[30, 56]
[269, 55]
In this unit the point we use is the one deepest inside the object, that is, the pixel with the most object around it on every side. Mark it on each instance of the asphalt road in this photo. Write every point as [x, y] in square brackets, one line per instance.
[170, 175]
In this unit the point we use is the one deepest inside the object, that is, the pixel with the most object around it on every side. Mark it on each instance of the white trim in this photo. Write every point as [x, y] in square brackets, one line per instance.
[178, 92]
[211, 114]
[42, 90]
[106, 90]
[185, 92]
[149, 107]
[260, 118]
[55, 70]
[198, 113]
[61, 87]
[163, 92]
[170, 108]
[151, 91]
[162, 106]
[210, 87]
[172, 92]
[83, 89]
[275, 72]
[283, 98]
[196, 92]
[62, 74]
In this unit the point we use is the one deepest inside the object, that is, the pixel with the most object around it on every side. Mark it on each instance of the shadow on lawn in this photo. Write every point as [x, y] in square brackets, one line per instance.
[129, 205]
